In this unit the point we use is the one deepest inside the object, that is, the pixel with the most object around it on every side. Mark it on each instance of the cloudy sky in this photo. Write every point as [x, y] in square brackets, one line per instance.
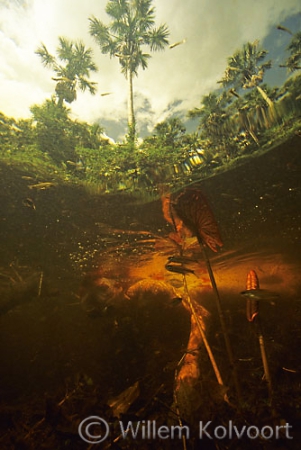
[175, 80]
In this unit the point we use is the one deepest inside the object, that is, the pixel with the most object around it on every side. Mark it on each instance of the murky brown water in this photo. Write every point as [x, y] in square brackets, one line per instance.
[48, 341]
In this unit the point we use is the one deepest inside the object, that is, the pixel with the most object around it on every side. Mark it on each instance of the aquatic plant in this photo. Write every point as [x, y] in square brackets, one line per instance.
[192, 208]
[189, 372]
[252, 311]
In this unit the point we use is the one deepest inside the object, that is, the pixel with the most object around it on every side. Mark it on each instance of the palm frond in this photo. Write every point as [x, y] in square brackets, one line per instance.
[99, 31]
[86, 84]
[116, 9]
[65, 49]
[48, 60]
[158, 38]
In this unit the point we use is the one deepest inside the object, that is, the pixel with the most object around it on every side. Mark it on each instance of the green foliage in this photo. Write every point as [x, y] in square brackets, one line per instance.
[246, 67]
[130, 137]
[246, 70]
[155, 166]
[26, 136]
[293, 87]
[15, 134]
[235, 122]
[110, 168]
[88, 136]
[213, 117]
[289, 101]
[132, 27]
[293, 62]
[54, 130]
[232, 124]
[8, 131]
[170, 132]
[59, 136]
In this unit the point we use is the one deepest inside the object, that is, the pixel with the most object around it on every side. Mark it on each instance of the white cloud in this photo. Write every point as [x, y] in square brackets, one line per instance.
[213, 30]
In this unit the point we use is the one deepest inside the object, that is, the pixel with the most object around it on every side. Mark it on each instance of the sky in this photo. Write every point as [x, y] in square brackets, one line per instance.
[175, 80]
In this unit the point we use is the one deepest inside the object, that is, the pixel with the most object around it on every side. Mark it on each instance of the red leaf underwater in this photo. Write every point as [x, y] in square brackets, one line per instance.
[192, 208]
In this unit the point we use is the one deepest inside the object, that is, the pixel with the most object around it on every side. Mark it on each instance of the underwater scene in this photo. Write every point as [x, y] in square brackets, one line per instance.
[150, 232]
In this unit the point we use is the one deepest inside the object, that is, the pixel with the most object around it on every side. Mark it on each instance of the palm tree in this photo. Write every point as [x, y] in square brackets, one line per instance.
[246, 69]
[132, 26]
[73, 72]
[213, 116]
[170, 131]
[250, 113]
[289, 97]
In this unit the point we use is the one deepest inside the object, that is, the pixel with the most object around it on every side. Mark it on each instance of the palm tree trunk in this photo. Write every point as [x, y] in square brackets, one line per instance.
[131, 114]
[60, 101]
[248, 126]
[271, 105]
[265, 97]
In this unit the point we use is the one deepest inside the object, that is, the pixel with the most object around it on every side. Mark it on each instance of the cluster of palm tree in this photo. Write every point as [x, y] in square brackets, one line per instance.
[239, 115]
[132, 28]
[245, 106]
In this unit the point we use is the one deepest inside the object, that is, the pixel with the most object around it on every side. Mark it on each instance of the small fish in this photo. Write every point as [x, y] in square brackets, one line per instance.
[67, 80]
[104, 94]
[42, 186]
[29, 203]
[177, 43]
[280, 27]
[181, 259]
[178, 269]
[259, 294]
[289, 370]
[226, 195]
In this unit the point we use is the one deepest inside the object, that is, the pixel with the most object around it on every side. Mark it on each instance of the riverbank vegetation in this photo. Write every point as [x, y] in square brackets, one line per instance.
[240, 119]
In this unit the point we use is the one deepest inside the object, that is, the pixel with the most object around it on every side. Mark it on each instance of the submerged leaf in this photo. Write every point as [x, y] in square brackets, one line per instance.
[192, 208]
